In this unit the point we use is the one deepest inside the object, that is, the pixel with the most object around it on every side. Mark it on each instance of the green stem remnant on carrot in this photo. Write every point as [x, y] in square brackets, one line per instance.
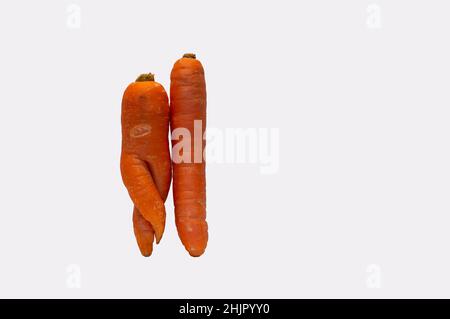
[146, 77]
[189, 55]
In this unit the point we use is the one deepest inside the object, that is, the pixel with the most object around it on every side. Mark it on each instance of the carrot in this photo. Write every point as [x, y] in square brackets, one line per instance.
[187, 104]
[145, 160]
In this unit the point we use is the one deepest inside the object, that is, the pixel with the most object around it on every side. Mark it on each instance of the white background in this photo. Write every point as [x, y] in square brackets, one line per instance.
[358, 208]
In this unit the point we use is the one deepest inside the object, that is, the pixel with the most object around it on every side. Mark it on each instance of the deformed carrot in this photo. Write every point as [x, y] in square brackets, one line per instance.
[188, 104]
[145, 160]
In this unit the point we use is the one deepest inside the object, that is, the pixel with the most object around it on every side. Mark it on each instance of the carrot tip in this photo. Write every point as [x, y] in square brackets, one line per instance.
[189, 55]
[145, 250]
[146, 254]
[196, 252]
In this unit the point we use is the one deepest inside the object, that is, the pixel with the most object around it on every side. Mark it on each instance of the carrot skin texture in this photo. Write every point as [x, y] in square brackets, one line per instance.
[144, 233]
[145, 159]
[187, 104]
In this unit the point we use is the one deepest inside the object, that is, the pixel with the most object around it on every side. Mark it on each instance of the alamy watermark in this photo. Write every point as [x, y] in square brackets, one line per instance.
[373, 20]
[73, 279]
[256, 146]
[373, 280]
[73, 20]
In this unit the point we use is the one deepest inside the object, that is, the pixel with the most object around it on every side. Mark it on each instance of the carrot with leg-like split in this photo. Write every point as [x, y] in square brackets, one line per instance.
[145, 160]
[188, 113]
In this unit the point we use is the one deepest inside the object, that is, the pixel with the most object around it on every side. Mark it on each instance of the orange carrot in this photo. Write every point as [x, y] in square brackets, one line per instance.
[145, 161]
[187, 104]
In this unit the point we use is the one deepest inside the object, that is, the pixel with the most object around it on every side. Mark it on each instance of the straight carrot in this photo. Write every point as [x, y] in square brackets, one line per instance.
[188, 104]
